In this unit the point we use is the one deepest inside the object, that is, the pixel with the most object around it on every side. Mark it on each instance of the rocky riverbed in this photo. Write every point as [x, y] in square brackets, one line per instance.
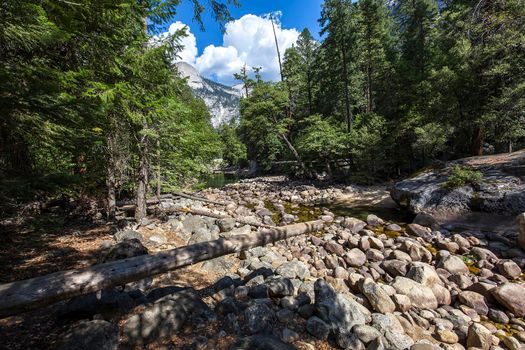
[358, 284]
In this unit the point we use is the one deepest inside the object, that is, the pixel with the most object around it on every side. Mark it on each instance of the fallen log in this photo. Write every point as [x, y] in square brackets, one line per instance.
[200, 199]
[212, 215]
[128, 205]
[21, 296]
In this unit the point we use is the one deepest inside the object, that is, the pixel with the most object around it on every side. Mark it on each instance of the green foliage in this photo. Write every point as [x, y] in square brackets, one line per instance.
[86, 94]
[233, 150]
[322, 139]
[263, 120]
[462, 175]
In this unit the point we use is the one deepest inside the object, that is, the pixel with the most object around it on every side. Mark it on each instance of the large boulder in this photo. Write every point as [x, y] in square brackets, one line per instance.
[512, 296]
[502, 190]
[377, 297]
[339, 311]
[121, 236]
[421, 296]
[164, 317]
[125, 249]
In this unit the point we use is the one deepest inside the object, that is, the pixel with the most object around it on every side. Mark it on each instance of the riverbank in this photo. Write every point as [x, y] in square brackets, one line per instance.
[365, 281]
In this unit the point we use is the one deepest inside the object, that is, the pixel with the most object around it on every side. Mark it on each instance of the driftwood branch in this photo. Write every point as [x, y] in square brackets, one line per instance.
[21, 296]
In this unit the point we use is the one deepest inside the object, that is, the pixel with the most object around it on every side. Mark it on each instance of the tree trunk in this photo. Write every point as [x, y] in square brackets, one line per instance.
[328, 169]
[347, 92]
[21, 296]
[278, 51]
[369, 106]
[309, 87]
[111, 179]
[158, 174]
[296, 154]
[142, 188]
[477, 142]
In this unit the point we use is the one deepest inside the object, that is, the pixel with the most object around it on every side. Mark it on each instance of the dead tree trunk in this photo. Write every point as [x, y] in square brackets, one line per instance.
[111, 178]
[21, 296]
[142, 188]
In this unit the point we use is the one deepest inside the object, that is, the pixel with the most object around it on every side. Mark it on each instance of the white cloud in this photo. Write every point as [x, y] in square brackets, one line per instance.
[247, 40]
[189, 42]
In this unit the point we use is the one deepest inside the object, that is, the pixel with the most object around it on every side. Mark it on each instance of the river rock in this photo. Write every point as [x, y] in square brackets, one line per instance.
[453, 264]
[355, 257]
[226, 225]
[402, 302]
[338, 310]
[395, 267]
[366, 333]
[334, 248]
[445, 335]
[509, 269]
[89, 335]
[421, 296]
[202, 235]
[479, 337]
[293, 269]
[279, 287]
[424, 274]
[125, 249]
[349, 341]
[259, 318]
[121, 236]
[193, 223]
[318, 328]
[512, 296]
[419, 231]
[353, 225]
[163, 317]
[475, 301]
[512, 343]
[374, 220]
[394, 228]
[377, 297]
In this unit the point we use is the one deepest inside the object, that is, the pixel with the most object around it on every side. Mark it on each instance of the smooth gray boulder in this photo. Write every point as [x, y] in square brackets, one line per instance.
[501, 191]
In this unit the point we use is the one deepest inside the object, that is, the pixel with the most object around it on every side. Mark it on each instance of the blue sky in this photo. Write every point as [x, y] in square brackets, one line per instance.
[248, 38]
[296, 14]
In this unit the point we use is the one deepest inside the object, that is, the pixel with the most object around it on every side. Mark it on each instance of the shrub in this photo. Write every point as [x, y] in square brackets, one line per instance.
[463, 175]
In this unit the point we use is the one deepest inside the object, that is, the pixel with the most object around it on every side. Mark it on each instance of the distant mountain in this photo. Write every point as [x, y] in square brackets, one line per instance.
[222, 101]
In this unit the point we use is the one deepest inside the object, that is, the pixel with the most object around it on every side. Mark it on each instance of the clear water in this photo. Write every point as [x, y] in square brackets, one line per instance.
[220, 180]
